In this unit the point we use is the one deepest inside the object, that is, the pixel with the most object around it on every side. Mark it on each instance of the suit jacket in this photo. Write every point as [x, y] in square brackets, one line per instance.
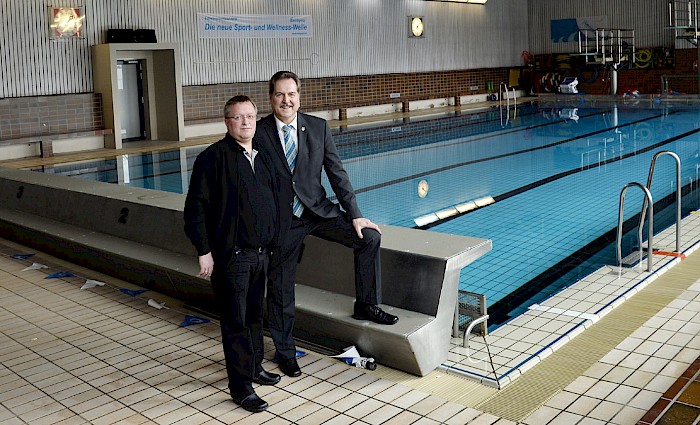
[317, 152]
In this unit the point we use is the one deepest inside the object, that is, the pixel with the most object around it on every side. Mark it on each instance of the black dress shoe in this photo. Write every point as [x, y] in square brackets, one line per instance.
[251, 403]
[266, 378]
[373, 313]
[289, 367]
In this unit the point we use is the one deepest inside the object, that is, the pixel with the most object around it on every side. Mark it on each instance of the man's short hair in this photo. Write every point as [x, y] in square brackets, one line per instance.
[283, 75]
[241, 98]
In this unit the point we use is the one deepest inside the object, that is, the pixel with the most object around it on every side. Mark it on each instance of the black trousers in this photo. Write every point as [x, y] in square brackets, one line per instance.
[239, 287]
[280, 291]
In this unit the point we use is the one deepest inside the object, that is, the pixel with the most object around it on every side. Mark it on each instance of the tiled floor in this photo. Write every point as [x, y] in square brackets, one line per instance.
[680, 403]
[102, 356]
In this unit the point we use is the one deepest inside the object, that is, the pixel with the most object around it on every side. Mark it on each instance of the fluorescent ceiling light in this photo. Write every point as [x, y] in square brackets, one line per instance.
[465, 1]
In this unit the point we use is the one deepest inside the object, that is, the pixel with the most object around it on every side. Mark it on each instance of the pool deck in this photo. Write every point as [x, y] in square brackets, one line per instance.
[528, 339]
[621, 346]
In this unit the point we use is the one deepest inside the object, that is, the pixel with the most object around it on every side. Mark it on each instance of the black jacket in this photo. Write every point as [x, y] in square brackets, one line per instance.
[220, 200]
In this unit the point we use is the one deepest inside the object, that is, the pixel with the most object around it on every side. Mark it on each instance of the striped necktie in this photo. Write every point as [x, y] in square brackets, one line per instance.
[290, 152]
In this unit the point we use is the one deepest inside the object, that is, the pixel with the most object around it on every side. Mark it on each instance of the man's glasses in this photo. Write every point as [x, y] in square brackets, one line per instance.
[240, 117]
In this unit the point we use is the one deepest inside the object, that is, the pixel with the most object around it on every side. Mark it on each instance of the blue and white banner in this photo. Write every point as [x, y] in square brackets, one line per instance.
[566, 30]
[254, 26]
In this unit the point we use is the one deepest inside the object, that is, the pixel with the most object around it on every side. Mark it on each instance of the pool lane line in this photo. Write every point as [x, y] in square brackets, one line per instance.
[491, 158]
[472, 138]
[546, 180]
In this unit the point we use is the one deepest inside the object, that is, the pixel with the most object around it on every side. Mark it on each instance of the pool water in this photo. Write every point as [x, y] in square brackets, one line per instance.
[554, 175]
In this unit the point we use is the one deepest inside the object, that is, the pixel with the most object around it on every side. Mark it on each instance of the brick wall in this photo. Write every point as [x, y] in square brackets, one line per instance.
[597, 80]
[36, 116]
[205, 103]
[649, 81]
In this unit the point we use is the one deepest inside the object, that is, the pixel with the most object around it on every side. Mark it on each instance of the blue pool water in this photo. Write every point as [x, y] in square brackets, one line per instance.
[555, 176]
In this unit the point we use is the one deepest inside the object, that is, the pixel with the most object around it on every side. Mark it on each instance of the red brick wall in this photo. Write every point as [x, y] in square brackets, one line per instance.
[36, 116]
[205, 103]
[597, 80]
[649, 81]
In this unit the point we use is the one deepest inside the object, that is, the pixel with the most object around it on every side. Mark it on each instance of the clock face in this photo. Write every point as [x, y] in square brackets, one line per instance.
[417, 27]
[423, 188]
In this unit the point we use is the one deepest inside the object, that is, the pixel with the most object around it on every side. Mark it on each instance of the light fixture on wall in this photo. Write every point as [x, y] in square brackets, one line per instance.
[65, 22]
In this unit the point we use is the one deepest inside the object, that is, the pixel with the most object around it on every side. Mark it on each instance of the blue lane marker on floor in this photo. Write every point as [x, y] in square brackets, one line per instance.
[193, 320]
[132, 292]
[59, 275]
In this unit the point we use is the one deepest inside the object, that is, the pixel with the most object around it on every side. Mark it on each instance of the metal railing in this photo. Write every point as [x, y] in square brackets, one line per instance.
[465, 344]
[665, 83]
[648, 211]
[678, 195]
[503, 91]
[650, 218]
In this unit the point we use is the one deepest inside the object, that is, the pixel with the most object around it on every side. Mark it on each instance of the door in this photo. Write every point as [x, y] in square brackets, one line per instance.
[131, 96]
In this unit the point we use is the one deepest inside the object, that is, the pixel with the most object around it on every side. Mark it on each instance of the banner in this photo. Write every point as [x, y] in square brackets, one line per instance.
[253, 26]
[566, 30]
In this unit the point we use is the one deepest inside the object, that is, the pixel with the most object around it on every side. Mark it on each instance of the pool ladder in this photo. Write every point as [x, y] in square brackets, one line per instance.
[503, 91]
[648, 211]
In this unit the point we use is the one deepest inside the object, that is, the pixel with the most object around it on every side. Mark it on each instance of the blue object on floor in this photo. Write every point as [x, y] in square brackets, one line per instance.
[298, 354]
[20, 256]
[193, 320]
[132, 292]
[59, 275]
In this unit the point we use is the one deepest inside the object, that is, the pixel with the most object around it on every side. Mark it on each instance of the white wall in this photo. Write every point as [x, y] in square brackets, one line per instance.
[351, 37]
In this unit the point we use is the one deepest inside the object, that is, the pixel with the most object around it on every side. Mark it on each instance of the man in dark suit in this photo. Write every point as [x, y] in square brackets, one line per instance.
[301, 147]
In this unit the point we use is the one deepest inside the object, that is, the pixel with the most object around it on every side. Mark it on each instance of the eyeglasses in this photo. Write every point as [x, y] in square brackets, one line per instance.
[240, 117]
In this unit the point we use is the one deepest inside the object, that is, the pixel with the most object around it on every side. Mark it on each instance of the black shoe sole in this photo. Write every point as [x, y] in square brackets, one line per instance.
[363, 317]
[252, 409]
[261, 382]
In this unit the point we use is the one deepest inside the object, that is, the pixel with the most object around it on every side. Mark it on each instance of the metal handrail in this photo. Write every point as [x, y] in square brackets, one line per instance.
[503, 88]
[465, 344]
[678, 196]
[650, 218]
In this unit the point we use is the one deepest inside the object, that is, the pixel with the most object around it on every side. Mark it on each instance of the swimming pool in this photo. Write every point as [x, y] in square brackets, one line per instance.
[554, 175]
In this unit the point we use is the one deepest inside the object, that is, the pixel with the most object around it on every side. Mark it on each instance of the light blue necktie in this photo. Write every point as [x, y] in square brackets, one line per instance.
[290, 151]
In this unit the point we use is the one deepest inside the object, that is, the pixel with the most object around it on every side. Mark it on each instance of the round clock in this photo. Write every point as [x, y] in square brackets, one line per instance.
[417, 27]
[422, 188]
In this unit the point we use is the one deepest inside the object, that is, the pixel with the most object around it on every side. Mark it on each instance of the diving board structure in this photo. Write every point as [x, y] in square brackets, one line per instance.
[608, 47]
[683, 20]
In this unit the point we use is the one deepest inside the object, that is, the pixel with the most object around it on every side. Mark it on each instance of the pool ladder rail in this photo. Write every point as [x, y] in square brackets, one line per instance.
[465, 344]
[648, 212]
[503, 91]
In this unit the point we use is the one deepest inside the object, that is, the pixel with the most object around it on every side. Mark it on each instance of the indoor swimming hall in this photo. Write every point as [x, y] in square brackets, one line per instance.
[573, 336]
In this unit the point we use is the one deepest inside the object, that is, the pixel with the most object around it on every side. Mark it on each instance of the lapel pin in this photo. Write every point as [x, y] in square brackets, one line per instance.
[303, 129]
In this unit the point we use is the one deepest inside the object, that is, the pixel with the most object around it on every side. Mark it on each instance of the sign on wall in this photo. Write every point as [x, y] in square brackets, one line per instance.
[253, 26]
[65, 22]
[566, 30]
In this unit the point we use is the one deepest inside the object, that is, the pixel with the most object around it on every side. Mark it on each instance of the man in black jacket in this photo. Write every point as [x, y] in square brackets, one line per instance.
[231, 218]
[301, 148]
